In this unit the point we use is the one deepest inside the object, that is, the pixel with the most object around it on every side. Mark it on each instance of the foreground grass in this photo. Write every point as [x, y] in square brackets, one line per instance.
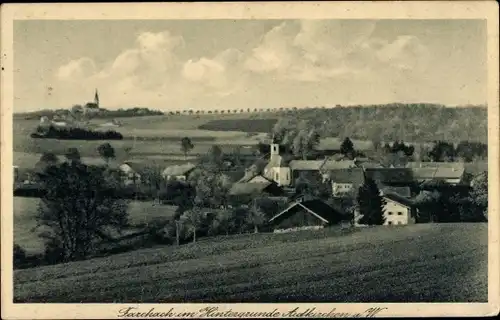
[140, 213]
[433, 262]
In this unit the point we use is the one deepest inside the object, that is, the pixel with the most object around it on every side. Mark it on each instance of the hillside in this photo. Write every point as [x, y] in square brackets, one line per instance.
[419, 263]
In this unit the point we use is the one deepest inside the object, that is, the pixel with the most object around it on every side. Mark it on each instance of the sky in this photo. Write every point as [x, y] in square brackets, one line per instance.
[233, 64]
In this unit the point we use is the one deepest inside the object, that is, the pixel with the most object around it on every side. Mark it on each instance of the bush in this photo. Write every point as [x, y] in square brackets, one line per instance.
[74, 134]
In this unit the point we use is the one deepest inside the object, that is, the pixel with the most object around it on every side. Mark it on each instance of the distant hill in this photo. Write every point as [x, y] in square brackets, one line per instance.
[408, 122]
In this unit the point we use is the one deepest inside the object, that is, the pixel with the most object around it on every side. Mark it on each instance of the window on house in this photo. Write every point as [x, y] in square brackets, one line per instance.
[276, 176]
[390, 213]
[390, 222]
[400, 213]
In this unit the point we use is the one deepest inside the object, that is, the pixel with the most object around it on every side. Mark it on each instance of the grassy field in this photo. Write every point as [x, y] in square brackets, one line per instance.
[419, 263]
[25, 210]
[155, 134]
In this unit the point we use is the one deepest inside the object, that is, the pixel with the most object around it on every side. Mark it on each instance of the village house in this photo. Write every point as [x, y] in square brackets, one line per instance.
[277, 168]
[178, 172]
[397, 210]
[306, 213]
[402, 177]
[449, 175]
[131, 172]
[299, 167]
[345, 181]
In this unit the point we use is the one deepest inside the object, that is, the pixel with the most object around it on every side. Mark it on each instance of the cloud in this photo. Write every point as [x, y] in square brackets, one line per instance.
[317, 50]
[76, 70]
[340, 54]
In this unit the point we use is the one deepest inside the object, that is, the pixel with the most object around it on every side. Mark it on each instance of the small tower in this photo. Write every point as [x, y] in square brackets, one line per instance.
[275, 150]
[96, 98]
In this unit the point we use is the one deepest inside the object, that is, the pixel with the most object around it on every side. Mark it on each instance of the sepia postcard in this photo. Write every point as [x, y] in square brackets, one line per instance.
[250, 160]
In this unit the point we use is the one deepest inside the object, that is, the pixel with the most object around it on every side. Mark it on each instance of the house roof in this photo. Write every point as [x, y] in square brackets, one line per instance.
[399, 199]
[178, 170]
[437, 173]
[138, 166]
[306, 164]
[248, 188]
[390, 175]
[316, 207]
[352, 175]
[456, 165]
[278, 161]
[401, 191]
[332, 164]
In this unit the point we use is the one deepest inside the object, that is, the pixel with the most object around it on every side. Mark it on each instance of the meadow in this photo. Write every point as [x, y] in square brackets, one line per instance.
[140, 213]
[416, 263]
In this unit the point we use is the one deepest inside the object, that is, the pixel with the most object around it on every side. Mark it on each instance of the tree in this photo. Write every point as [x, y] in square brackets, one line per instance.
[151, 178]
[223, 223]
[255, 216]
[73, 155]
[442, 152]
[106, 151]
[78, 206]
[192, 219]
[186, 146]
[47, 159]
[347, 147]
[305, 142]
[371, 204]
[479, 194]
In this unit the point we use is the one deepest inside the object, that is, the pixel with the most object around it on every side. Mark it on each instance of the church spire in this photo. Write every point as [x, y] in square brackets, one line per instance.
[96, 98]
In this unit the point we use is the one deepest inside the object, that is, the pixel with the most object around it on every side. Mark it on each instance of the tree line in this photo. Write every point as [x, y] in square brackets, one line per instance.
[52, 132]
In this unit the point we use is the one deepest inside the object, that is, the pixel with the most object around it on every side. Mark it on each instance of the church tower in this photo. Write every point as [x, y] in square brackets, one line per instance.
[96, 98]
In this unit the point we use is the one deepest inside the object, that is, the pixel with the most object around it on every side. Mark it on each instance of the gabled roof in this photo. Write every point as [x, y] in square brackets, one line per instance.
[399, 199]
[316, 207]
[332, 164]
[248, 188]
[456, 165]
[138, 167]
[401, 191]
[178, 170]
[353, 175]
[390, 175]
[429, 173]
[306, 165]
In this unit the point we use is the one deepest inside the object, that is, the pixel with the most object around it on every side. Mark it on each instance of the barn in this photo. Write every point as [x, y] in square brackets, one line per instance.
[306, 212]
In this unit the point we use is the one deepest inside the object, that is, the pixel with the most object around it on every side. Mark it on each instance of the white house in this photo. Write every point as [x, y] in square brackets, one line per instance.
[179, 172]
[276, 170]
[344, 181]
[397, 211]
[129, 173]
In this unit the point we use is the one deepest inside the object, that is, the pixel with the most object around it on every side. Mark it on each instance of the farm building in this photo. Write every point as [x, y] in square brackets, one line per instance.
[398, 210]
[302, 166]
[334, 163]
[277, 168]
[178, 172]
[306, 213]
[131, 172]
[450, 175]
[345, 181]
[391, 176]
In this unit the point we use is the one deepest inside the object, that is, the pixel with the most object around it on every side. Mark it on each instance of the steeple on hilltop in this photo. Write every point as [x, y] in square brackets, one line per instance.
[96, 98]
